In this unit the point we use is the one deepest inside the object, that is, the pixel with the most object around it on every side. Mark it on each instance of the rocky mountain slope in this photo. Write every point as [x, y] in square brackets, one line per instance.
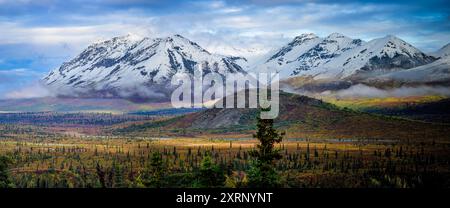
[442, 52]
[135, 67]
[131, 66]
[435, 73]
[308, 52]
[339, 57]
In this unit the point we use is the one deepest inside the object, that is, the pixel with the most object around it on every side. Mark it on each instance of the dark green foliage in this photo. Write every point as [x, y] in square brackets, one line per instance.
[100, 175]
[262, 172]
[5, 181]
[117, 172]
[262, 175]
[210, 174]
[154, 173]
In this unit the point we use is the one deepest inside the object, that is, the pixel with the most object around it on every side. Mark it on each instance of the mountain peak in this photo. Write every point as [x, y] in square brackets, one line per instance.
[386, 53]
[127, 66]
[443, 52]
[446, 46]
[304, 37]
[124, 40]
[179, 36]
[178, 41]
[127, 37]
[133, 37]
[338, 56]
[392, 45]
[300, 43]
[336, 35]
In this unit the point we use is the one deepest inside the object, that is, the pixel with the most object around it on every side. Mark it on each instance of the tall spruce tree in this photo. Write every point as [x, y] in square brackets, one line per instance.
[262, 172]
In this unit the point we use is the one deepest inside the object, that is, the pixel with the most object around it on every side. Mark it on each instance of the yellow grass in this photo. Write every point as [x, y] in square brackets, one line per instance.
[359, 103]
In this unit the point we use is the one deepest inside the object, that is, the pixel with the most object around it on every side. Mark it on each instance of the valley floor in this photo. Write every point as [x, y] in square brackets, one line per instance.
[93, 161]
[323, 147]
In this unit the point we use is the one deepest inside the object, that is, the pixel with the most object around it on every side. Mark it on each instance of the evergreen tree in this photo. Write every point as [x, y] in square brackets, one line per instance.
[100, 175]
[262, 172]
[154, 173]
[210, 174]
[5, 181]
[119, 181]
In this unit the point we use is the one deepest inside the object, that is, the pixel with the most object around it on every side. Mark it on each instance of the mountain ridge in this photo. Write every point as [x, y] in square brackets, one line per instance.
[132, 66]
[127, 67]
[338, 57]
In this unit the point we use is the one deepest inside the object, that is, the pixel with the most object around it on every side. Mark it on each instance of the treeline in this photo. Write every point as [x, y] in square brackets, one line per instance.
[209, 167]
[52, 118]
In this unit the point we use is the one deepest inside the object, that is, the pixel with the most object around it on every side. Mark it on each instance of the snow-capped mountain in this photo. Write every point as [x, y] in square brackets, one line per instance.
[133, 66]
[327, 50]
[384, 54]
[308, 52]
[338, 57]
[435, 73]
[281, 60]
[444, 51]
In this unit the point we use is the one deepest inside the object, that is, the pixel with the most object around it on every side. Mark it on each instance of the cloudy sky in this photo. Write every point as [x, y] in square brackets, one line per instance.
[38, 35]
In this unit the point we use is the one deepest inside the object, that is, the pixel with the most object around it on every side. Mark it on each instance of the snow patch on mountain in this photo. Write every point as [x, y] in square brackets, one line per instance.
[442, 52]
[338, 57]
[435, 72]
[308, 52]
[129, 65]
[383, 54]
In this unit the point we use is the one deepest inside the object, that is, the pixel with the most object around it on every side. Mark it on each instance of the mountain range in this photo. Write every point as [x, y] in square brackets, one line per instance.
[338, 56]
[132, 66]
